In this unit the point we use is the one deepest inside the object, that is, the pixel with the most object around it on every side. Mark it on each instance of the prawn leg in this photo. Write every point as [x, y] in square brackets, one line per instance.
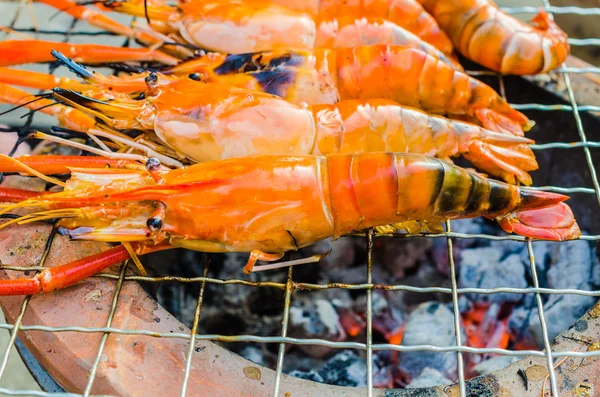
[18, 52]
[259, 255]
[62, 276]
[55, 164]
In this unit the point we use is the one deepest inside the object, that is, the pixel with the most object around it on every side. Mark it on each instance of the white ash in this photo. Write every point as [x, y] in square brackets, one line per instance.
[379, 303]
[309, 375]
[346, 368]
[339, 298]
[493, 364]
[315, 318]
[431, 323]
[399, 256]
[488, 267]
[429, 377]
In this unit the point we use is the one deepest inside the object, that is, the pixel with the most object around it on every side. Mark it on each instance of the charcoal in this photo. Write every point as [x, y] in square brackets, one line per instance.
[379, 303]
[315, 318]
[400, 255]
[357, 274]
[543, 258]
[486, 267]
[429, 377]
[342, 252]
[310, 375]
[565, 265]
[431, 323]
[387, 319]
[474, 226]
[439, 253]
[296, 360]
[464, 304]
[493, 364]
[561, 311]
[346, 368]
[383, 375]
[253, 354]
[518, 322]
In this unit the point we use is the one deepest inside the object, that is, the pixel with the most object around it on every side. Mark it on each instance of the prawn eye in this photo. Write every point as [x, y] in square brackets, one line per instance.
[152, 164]
[151, 79]
[154, 224]
[195, 76]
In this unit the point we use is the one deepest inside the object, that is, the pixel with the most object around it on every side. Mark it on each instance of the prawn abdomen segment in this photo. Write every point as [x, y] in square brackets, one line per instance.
[266, 203]
[383, 188]
[377, 189]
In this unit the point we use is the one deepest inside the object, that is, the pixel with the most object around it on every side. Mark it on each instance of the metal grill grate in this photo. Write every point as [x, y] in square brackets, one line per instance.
[290, 286]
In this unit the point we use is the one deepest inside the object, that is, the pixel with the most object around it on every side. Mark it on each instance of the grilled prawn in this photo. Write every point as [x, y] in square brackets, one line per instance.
[269, 205]
[405, 75]
[241, 26]
[205, 122]
[487, 35]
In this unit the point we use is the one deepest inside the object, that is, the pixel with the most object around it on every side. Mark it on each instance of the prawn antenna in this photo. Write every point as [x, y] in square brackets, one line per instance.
[147, 15]
[38, 109]
[36, 98]
[73, 66]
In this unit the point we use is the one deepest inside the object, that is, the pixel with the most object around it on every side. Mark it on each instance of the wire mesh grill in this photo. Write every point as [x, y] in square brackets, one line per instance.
[290, 286]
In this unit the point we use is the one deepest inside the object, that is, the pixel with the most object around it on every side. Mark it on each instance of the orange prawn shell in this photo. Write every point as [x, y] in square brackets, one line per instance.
[285, 200]
[484, 33]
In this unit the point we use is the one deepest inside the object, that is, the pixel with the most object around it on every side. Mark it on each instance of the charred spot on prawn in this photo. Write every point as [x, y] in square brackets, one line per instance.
[439, 182]
[281, 60]
[236, 63]
[251, 62]
[500, 199]
[478, 194]
[454, 192]
[275, 81]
